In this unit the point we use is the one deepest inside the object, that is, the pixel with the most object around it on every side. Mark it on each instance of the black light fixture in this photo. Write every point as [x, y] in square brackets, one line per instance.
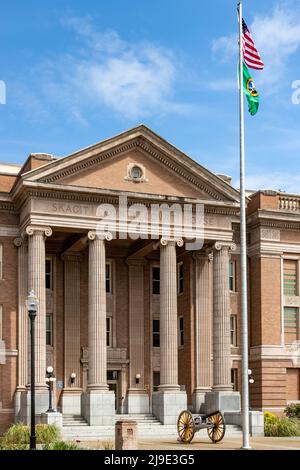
[50, 379]
[137, 378]
[73, 377]
[32, 307]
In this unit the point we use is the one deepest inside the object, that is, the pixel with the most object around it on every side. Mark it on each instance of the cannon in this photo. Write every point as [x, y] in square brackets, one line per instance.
[188, 424]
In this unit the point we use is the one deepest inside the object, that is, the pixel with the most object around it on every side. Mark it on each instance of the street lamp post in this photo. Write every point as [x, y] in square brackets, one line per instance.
[50, 379]
[32, 306]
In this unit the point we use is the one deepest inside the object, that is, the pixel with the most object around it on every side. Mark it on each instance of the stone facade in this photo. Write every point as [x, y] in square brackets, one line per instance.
[132, 324]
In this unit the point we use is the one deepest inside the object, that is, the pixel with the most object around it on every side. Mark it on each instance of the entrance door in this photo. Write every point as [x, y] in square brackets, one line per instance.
[112, 381]
[113, 385]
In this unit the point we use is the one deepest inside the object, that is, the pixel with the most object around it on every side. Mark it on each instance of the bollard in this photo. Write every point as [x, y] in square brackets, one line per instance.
[126, 435]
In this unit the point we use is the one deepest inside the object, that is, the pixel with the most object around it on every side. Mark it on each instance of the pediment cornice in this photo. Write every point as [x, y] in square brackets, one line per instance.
[142, 138]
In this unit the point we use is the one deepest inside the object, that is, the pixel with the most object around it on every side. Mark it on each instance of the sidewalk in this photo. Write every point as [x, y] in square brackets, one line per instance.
[230, 443]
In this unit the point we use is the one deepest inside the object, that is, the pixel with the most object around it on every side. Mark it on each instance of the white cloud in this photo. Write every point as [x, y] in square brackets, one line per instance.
[277, 37]
[131, 79]
[223, 85]
[284, 181]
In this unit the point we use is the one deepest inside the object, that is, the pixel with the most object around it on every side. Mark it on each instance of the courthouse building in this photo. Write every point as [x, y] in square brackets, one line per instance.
[137, 325]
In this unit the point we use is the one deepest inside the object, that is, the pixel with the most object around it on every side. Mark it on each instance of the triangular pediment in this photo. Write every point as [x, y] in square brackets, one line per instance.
[113, 164]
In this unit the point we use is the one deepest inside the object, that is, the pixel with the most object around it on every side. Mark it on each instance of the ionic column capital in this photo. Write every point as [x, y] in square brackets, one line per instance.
[220, 245]
[37, 230]
[169, 241]
[19, 241]
[203, 255]
[95, 235]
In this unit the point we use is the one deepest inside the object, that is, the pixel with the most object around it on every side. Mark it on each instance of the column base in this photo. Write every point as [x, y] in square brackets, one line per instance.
[41, 405]
[137, 401]
[54, 418]
[18, 403]
[222, 401]
[98, 407]
[167, 405]
[198, 399]
[256, 422]
[71, 401]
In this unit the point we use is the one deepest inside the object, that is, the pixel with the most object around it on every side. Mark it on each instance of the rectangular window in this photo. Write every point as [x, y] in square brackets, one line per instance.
[232, 286]
[291, 315]
[1, 261]
[156, 381]
[155, 280]
[290, 268]
[234, 379]
[180, 278]
[1, 322]
[180, 332]
[48, 269]
[233, 330]
[108, 278]
[156, 333]
[108, 332]
[49, 330]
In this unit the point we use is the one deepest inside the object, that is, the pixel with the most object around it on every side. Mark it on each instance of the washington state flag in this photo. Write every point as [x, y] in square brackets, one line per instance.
[250, 92]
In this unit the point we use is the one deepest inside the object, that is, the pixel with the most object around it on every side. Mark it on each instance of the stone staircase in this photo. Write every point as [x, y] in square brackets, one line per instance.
[75, 428]
[74, 420]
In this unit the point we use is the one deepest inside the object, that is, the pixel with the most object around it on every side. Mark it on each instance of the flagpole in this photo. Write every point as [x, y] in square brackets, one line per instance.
[243, 252]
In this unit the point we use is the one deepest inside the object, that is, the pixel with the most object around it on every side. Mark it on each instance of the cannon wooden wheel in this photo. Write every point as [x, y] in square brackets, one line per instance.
[216, 429]
[186, 426]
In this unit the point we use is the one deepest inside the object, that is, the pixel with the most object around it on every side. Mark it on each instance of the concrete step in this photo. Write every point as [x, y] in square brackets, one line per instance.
[153, 431]
[74, 420]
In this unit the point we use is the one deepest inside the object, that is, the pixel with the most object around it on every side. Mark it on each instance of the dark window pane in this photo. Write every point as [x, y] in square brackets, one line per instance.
[156, 334]
[156, 280]
[156, 381]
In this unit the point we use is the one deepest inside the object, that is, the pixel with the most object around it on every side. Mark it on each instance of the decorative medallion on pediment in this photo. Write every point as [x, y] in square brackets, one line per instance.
[136, 173]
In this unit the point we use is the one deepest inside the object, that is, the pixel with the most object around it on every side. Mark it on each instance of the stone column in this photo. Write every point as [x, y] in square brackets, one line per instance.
[168, 317]
[71, 396]
[222, 396]
[137, 398]
[98, 403]
[23, 326]
[203, 323]
[36, 282]
[169, 400]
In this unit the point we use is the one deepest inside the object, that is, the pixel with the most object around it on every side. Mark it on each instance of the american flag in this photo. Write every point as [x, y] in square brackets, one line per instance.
[251, 54]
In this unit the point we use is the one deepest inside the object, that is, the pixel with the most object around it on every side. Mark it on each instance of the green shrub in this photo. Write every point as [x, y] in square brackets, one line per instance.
[280, 427]
[45, 434]
[61, 445]
[293, 411]
[107, 445]
[17, 437]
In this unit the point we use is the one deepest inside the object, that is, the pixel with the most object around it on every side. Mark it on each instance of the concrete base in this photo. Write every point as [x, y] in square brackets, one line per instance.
[18, 405]
[222, 401]
[71, 401]
[41, 405]
[256, 421]
[52, 418]
[98, 407]
[198, 400]
[137, 402]
[167, 405]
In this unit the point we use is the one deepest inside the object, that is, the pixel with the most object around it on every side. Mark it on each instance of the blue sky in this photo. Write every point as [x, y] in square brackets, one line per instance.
[79, 71]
